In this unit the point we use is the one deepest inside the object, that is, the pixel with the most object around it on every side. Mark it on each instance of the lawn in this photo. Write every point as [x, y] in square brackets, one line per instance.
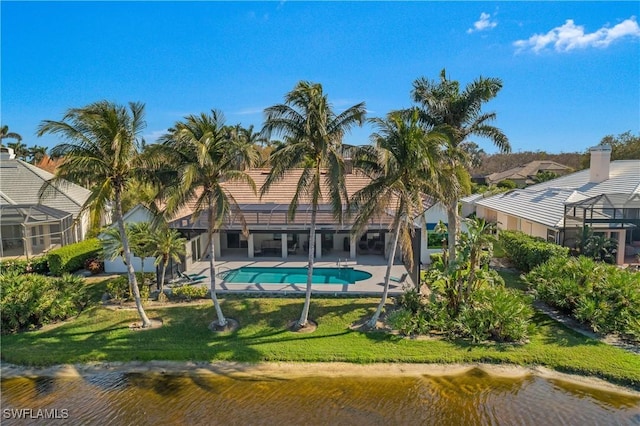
[100, 334]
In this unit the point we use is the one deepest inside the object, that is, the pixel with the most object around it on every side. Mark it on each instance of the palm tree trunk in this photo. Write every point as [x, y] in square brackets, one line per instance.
[165, 263]
[452, 228]
[133, 282]
[374, 319]
[312, 251]
[222, 321]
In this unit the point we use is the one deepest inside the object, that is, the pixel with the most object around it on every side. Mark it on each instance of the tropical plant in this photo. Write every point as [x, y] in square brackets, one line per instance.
[32, 300]
[19, 149]
[203, 159]
[313, 134]
[459, 114]
[401, 163]
[544, 175]
[36, 153]
[6, 134]
[168, 245]
[597, 246]
[603, 296]
[457, 279]
[102, 146]
[141, 238]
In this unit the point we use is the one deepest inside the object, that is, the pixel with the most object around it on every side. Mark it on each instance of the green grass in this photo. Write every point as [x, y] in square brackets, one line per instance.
[100, 334]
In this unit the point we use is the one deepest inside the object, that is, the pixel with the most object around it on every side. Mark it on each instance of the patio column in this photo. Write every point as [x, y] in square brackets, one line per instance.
[622, 234]
[318, 246]
[283, 245]
[216, 241]
[250, 246]
[352, 248]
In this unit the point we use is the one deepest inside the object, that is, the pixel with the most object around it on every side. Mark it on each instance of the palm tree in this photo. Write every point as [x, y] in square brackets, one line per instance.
[168, 245]
[460, 115]
[6, 134]
[102, 145]
[401, 164]
[314, 133]
[204, 159]
[19, 149]
[141, 238]
[36, 153]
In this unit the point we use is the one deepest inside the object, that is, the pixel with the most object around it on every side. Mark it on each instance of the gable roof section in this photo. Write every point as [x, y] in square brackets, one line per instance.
[544, 203]
[20, 183]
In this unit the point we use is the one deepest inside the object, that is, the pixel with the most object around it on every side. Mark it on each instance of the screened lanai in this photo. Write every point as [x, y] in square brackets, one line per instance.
[27, 230]
[615, 216]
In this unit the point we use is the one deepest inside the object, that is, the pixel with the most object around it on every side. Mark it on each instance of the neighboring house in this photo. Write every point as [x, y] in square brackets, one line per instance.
[32, 225]
[525, 175]
[272, 234]
[605, 197]
[136, 215]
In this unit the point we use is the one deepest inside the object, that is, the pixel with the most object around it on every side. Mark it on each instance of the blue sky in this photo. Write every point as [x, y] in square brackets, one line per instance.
[570, 70]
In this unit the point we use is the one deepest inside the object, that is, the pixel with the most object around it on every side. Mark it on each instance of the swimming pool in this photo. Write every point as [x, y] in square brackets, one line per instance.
[265, 275]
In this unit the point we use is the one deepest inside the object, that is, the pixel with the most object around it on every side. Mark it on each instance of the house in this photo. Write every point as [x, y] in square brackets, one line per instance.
[136, 215]
[525, 175]
[271, 233]
[605, 197]
[30, 224]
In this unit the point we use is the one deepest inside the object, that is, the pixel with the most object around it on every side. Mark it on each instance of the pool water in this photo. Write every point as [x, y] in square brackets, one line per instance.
[265, 275]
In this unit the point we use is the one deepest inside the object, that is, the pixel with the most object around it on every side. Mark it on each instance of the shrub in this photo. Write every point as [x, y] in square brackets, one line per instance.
[497, 313]
[527, 252]
[38, 265]
[602, 296]
[436, 258]
[94, 265]
[118, 288]
[507, 184]
[72, 257]
[33, 300]
[188, 292]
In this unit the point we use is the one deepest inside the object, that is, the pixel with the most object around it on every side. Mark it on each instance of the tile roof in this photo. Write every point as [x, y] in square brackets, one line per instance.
[20, 183]
[271, 209]
[528, 170]
[544, 203]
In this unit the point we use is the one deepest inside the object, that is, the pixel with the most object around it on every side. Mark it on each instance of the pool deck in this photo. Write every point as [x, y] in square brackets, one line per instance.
[375, 265]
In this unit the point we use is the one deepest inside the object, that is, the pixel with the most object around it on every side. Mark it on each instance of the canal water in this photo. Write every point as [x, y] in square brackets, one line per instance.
[475, 397]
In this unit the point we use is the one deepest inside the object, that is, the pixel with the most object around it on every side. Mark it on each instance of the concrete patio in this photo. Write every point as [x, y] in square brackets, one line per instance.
[375, 265]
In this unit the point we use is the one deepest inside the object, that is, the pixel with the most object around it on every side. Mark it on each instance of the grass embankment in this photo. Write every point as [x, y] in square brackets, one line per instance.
[101, 334]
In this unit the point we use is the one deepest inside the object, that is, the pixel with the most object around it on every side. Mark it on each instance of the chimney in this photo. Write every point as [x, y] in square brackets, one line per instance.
[599, 165]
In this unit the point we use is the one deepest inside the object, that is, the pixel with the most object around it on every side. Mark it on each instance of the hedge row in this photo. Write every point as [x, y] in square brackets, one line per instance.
[72, 257]
[527, 252]
[38, 265]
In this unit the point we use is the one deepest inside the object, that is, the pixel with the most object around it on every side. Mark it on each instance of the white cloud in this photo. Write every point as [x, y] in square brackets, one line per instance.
[484, 23]
[571, 36]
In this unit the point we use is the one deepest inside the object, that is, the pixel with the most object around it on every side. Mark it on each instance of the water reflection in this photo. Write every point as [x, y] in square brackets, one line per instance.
[200, 398]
